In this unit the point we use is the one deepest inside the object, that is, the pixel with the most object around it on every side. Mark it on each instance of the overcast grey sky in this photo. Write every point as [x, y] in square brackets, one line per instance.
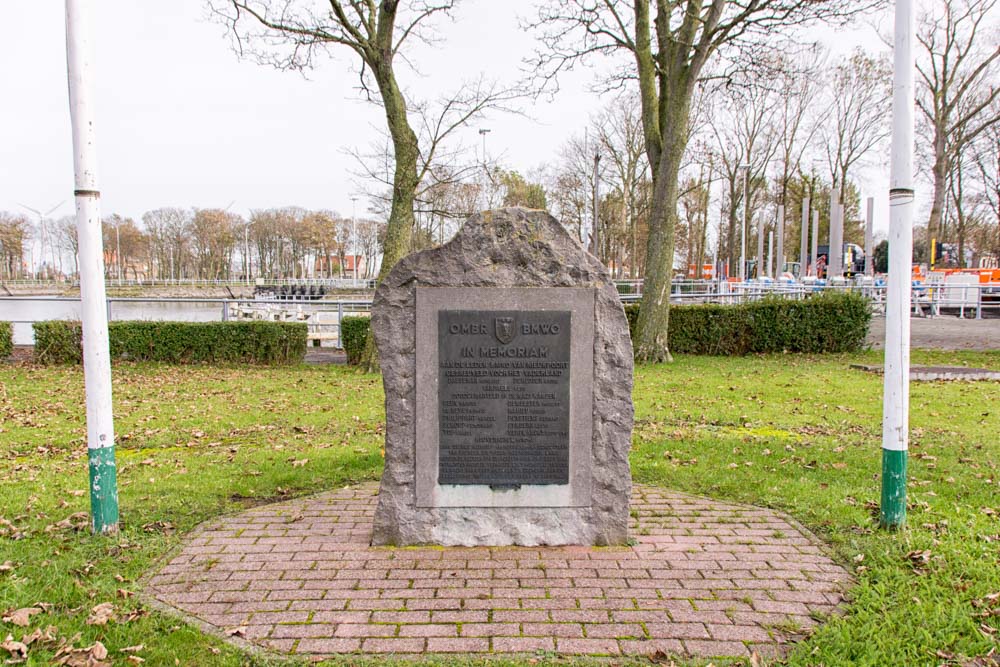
[181, 121]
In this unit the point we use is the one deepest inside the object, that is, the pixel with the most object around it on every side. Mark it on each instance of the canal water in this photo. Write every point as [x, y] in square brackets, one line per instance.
[23, 312]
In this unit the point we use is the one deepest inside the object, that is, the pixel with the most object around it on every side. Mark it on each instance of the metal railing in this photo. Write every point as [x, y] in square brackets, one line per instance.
[930, 299]
[334, 283]
[323, 316]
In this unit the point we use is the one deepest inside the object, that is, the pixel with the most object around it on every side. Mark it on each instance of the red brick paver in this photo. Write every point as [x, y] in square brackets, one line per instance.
[704, 579]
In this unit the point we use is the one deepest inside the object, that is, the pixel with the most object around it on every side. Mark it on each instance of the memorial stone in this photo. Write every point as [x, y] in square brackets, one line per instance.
[507, 368]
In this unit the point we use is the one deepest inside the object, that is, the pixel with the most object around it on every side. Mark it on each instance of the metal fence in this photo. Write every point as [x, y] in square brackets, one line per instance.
[323, 316]
[330, 283]
[929, 299]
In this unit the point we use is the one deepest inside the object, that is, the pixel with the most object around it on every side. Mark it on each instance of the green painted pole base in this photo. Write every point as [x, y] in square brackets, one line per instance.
[893, 514]
[103, 490]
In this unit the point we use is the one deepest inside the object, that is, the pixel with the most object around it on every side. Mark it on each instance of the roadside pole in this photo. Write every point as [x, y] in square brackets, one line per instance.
[779, 252]
[815, 244]
[896, 391]
[760, 245]
[804, 240]
[96, 356]
[869, 242]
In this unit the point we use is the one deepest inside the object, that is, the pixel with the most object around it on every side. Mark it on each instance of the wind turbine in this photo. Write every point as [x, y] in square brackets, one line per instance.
[41, 229]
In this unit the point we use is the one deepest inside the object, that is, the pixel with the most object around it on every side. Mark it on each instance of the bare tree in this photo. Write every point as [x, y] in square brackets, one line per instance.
[859, 103]
[213, 239]
[571, 183]
[965, 209]
[797, 120]
[619, 129]
[167, 229]
[747, 137]
[958, 71]
[443, 160]
[15, 229]
[65, 231]
[669, 49]
[290, 35]
[986, 158]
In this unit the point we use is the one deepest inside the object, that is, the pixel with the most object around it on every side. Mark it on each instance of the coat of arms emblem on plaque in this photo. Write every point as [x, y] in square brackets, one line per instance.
[505, 331]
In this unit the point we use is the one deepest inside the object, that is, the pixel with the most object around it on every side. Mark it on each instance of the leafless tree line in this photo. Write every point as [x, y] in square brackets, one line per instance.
[202, 244]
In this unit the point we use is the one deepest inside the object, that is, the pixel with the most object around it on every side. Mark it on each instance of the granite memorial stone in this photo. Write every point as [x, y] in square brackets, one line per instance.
[507, 368]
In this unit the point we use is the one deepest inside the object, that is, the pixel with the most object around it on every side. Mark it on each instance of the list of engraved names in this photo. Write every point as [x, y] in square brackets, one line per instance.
[503, 397]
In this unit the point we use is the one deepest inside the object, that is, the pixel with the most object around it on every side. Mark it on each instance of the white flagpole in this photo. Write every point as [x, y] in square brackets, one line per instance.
[96, 355]
[896, 392]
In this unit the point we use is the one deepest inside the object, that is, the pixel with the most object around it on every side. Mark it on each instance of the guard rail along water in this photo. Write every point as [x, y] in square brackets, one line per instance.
[323, 316]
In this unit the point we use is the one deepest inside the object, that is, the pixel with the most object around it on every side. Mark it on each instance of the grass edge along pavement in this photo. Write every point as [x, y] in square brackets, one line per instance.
[711, 426]
[329, 533]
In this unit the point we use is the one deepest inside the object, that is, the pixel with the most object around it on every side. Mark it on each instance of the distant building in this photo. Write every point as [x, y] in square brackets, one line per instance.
[334, 269]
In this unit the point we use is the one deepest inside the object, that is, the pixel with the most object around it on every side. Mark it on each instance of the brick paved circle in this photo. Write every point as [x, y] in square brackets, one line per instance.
[704, 579]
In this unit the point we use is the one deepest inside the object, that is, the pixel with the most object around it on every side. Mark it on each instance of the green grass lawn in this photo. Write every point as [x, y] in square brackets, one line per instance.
[796, 433]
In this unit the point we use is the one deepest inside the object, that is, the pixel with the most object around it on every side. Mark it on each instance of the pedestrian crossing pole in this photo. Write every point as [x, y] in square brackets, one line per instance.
[896, 389]
[93, 299]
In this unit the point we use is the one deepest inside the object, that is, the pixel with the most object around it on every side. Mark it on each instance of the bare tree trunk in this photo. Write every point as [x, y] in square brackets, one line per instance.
[652, 344]
[940, 173]
[399, 231]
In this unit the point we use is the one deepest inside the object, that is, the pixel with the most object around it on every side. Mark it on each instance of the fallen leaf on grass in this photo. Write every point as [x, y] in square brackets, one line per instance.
[132, 649]
[22, 616]
[298, 463]
[18, 651]
[87, 656]
[7, 566]
[48, 636]
[77, 521]
[101, 614]
[164, 527]
[8, 529]
[919, 560]
[132, 615]
[135, 660]
[987, 601]
[661, 658]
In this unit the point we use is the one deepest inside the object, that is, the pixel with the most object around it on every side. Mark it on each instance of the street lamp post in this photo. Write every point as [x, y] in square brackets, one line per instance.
[118, 249]
[246, 253]
[354, 237]
[483, 131]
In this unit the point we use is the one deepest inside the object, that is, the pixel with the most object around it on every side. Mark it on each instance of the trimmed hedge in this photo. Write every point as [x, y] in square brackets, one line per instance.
[831, 322]
[820, 323]
[353, 337]
[59, 342]
[6, 339]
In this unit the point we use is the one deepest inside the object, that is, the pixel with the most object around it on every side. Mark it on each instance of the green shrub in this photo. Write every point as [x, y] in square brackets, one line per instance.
[58, 342]
[353, 337]
[6, 339]
[828, 322]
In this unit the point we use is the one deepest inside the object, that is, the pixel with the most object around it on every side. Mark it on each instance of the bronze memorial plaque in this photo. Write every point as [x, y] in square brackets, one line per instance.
[504, 397]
